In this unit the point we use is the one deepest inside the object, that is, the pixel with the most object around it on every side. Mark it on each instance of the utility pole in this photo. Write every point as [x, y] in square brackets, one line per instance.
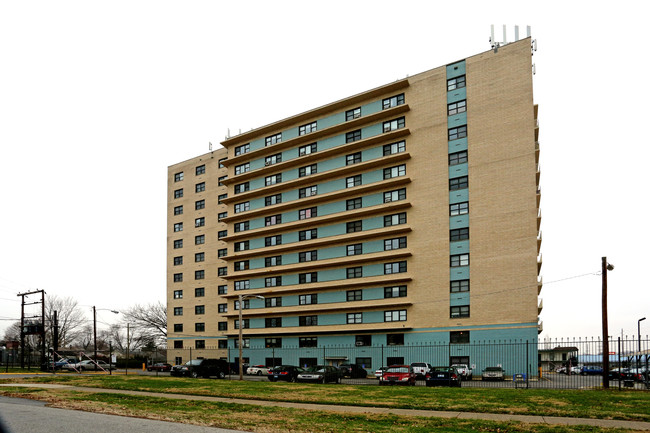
[39, 329]
[55, 336]
[95, 333]
[605, 267]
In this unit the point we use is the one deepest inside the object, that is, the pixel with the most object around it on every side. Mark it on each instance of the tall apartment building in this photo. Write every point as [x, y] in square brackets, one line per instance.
[407, 214]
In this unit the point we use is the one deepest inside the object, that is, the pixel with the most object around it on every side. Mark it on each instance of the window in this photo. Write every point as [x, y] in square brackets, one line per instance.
[222, 271]
[353, 295]
[459, 337]
[353, 181]
[394, 267]
[178, 227]
[273, 139]
[200, 257]
[305, 235]
[353, 226]
[199, 187]
[352, 318]
[459, 234]
[178, 243]
[395, 219]
[363, 340]
[273, 322]
[244, 148]
[178, 344]
[272, 261]
[272, 281]
[242, 207]
[222, 326]
[392, 101]
[273, 302]
[458, 183]
[391, 149]
[242, 285]
[307, 191]
[458, 158]
[458, 209]
[222, 308]
[307, 341]
[242, 226]
[272, 342]
[245, 343]
[456, 83]
[222, 215]
[178, 278]
[242, 246]
[178, 327]
[242, 168]
[396, 171]
[178, 177]
[396, 195]
[395, 243]
[395, 340]
[307, 170]
[307, 213]
[459, 286]
[242, 187]
[199, 292]
[353, 158]
[221, 252]
[178, 193]
[459, 260]
[220, 180]
[178, 260]
[354, 249]
[307, 256]
[199, 344]
[242, 265]
[395, 316]
[178, 294]
[221, 197]
[178, 311]
[355, 113]
[273, 159]
[353, 203]
[353, 136]
[459, 311]
[199, 222]
[199, 327]
[222, 289]
[199, 239]
[395, 292]
[459, 132]
[456, 107]
[199, 204]
[178, 210]
[273, 220]
[245, 323]
[307, 149]
[355, 272]
[307, 320]
[273, 179]
[246, 305]
[272, 199]
[199, 309]
[270, 241]
[309, 277]
[306, 129]
[222, 234]
[394, 124]
[199, 275]
[308, 299]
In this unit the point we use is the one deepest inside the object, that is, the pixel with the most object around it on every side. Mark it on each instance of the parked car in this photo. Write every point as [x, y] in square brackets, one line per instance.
[234, 368]
[61, 363]
[464, 370]
[89, 365]
[443, 376]
[421, 369]
[353, 371]
[398, 375]
[591, 370]
[320, 374]
[159, 366]
[287, 373]
[257, 370]
[380, 372]
[202, 368]
[493, 373]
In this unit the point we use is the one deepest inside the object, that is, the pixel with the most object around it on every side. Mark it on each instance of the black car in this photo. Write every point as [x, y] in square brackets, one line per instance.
[285, 372]
[353, 371]
[320, 374]
[202, 368]
[443, 376]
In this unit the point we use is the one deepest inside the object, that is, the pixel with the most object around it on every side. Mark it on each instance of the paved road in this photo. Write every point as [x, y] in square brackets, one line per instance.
[18, 415]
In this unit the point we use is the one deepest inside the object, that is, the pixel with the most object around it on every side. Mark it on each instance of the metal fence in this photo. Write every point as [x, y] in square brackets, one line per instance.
[571, 363]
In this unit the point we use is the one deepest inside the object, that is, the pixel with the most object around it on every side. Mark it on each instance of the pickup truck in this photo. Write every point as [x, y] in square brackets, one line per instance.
[464, 370]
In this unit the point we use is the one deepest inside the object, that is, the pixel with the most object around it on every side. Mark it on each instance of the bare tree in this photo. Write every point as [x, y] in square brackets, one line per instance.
[148, 323]
[69, 317]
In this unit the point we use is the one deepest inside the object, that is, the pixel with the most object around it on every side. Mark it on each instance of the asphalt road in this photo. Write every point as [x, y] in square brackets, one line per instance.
[18, 415]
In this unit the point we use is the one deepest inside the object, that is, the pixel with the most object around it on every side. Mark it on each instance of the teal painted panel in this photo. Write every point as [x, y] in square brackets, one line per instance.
[459, 221]
[458, 145]
[290, 301]
[331, 230]
[373, 153]
[457, 95]
[372, 130]
[457, 170]
[328, 121]
[372, 177]
[373, 246]
[289, 134]
[330, 142]
[459, 273]
[331, 208]
[456, 299]
[373, 107]
[456, 69]
[373, 293]
[326, 187]
[331, 275]
[458, 196]
[290, 321]
[331, 319]
[373, 200]
[256, 263]
[332, 252]
[372, 270]
[289, 238]
[459, 247]
[331, 164]
[457, 120]
[331, 297]
[256, 323]
[373, 316]
[373, 223]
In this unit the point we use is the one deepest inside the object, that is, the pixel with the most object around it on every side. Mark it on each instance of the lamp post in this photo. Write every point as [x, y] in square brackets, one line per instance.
[638, 356]
[95, 327]
[606, 267]
[241, 326]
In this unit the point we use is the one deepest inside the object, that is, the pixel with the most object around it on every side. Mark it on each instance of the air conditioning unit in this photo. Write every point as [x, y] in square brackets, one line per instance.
[359, 343]
[267, 162]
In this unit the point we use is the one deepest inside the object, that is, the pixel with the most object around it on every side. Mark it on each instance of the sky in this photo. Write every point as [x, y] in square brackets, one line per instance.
[98, 98]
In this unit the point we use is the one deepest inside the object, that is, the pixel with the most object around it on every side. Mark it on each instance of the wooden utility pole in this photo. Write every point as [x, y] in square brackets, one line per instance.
[605, 267]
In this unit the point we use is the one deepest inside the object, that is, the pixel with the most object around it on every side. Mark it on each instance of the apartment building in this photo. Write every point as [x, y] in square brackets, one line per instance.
[403, 215]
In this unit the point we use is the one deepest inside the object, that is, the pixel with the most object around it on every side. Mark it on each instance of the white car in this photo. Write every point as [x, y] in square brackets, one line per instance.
[464, 370]
[89, 365]
[257, 370]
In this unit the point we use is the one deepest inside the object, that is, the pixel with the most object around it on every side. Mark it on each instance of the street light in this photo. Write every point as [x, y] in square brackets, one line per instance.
[241, 326]
[638, 327]
[606, 267]
[95, 326]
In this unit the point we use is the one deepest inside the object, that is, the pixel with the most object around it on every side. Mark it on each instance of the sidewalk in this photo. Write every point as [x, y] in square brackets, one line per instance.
[530, 419]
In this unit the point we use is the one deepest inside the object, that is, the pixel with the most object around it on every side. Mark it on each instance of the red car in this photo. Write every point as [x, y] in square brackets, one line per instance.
[398, 375]
[160, 366]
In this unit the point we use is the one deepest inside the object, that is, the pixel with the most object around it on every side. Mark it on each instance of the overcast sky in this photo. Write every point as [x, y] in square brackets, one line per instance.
[97, 98]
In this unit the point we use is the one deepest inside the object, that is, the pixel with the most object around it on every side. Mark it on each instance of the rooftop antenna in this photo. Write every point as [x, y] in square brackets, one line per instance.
[210, 143]
[494, 44]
